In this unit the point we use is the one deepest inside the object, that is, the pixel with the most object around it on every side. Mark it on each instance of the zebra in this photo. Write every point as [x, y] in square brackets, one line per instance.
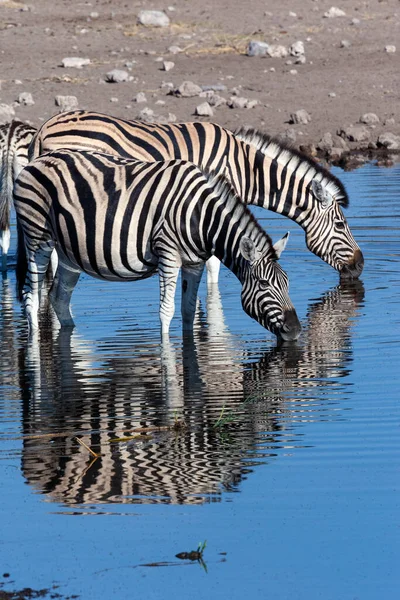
[15, 138]
[263, 171]
[122, 219]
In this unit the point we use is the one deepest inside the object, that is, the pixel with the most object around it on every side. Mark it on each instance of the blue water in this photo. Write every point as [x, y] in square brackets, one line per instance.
[288, 464]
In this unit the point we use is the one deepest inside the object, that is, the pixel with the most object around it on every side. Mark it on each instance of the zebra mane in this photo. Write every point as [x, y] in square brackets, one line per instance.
[282, 152]
[225, 190]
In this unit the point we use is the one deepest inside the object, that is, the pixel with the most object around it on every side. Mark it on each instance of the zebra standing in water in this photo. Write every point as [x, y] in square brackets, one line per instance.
[120, 219]
[262, 170]
[15, 138]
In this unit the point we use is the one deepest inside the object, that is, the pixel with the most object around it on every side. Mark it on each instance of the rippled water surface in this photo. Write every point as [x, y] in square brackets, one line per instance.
[285, 460]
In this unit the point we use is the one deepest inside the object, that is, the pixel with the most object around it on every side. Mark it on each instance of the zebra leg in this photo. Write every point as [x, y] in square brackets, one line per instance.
[64, 284]
[169, 271]
[191, 276]
[213, 266]
[4, 245]
[38, 262]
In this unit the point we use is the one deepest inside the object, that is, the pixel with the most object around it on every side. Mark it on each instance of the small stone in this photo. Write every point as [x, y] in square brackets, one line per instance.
[74, 62]
[300, 117]
[94, 15]
[289, 136]
[213, 99]
[175, 49]
[369, 119]
[17, 82]
[296, 49]
[355, 133]
[300, 60]
[114, 99]
[240, 102]
[277, 51]
[26, 99]
[168, 65]
[204, 110]
[257, 48]
[389, 140]
[345, 44]
[332, 95]
[7, 113]
[117, 76]
[293, 71]
[160, 102]
[326, 143]
[153, 18]
[334, 12]
[167, 84]
[292, 14]
[355, 22]
[390, 49]
[147, 114]
[140, 97]
[66, 103]
[188, 89]
[389, 121]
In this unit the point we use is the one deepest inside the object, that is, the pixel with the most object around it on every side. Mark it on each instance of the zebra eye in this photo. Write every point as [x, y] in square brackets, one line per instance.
[339, 224]
[264, 284]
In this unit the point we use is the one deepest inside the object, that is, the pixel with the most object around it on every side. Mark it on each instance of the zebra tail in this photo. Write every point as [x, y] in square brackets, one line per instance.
[22, 262]
[6, 190]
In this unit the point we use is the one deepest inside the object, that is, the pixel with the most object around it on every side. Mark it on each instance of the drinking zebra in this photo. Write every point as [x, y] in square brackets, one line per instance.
[262, 170]
[120, 219]
[15, 138]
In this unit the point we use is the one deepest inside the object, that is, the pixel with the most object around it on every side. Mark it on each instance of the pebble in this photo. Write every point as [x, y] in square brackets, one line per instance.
[355, 133]
[345, 44]
[300, 117]
[293, 71]
[326, 143]
[26, 99]
[74, 62]
[140, 97]
[153, 18]
[66, 102]
[257, 48]
[175, 49]
[355, 22]
[296, 49]
[390, 49]
[213, 99]
[7, 113]
[334, 12]
[168, 65]
[277, 51]
[332, 95]
[188, 89]
[113, 99]
[240, 102]
[369, 119]
[117, 76]
[300, 60]
[389, 140]
[204, 110]
[289, 136]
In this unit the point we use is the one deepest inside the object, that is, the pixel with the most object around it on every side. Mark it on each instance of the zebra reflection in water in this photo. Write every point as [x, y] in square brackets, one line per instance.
[67, 393]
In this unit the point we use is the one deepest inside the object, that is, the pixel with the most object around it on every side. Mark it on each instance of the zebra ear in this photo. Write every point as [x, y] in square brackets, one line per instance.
[280, 245]
[248, 249]
[321, 194]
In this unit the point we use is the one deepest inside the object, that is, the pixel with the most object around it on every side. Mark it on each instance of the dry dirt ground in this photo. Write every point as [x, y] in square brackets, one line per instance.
[336, 85]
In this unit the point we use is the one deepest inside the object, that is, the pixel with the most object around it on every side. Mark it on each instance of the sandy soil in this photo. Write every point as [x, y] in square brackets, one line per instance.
[336, 85]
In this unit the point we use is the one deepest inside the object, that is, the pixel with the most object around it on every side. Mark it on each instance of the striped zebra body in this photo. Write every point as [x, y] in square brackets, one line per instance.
[262, 171]
[15, 138]
[122, 219]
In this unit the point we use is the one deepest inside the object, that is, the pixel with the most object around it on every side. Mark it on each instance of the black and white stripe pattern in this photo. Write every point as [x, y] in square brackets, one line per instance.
[121, 219]
[15, 138]
[263, 171]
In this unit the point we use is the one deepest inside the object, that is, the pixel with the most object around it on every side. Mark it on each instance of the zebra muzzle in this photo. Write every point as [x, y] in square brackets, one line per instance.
[291, 327]
[354, 267]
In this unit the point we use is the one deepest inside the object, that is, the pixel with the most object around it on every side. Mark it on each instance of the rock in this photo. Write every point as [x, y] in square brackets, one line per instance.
[26, 99]
[74, 62]
[355, 133]
[240, 102]
[204, 110]
[117, 76]
[300, 60]
[168, 65]
[175, 49]
[300, 117]
[7, 113]
[153, 18]
[332, 95]
[114, 99]
[296, 49]
[334, 12]
[289, 136]
[390, 49]
[66, 103]
[369, 119]
[213, 99]
[345, 44]
[147, 115]
[277, 51]
[389, 140]
[256, 48]
[326, 143]
[188, 89]
[140, 97]
[293, 71]
[355, 22]
[389, 121]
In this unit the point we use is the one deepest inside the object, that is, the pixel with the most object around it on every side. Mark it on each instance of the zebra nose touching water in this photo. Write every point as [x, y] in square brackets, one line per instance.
[122, 220]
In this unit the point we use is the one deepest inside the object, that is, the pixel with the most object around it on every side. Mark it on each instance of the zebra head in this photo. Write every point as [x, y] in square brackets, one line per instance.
[265, 291]
[328, 235]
